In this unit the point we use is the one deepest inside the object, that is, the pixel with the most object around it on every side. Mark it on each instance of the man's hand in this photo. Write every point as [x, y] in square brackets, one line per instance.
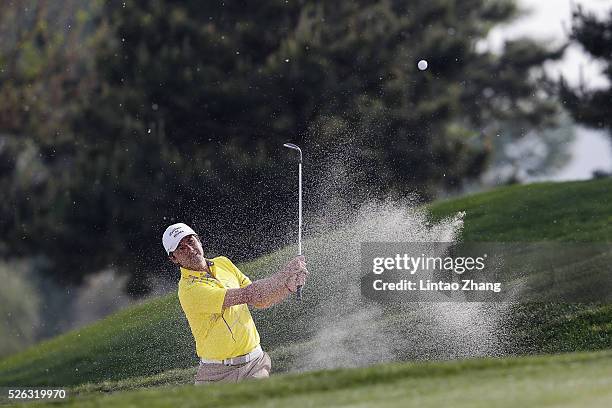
[294, 273]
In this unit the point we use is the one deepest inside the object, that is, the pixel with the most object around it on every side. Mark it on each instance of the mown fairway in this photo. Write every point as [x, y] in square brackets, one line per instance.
[571, 380]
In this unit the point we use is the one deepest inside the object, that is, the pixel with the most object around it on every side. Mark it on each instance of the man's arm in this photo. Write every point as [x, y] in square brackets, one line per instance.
[275, 297]
[260, 294]
[272, 290]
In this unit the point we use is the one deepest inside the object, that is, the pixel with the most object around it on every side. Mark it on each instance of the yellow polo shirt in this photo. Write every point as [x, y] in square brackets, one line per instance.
[219, 333]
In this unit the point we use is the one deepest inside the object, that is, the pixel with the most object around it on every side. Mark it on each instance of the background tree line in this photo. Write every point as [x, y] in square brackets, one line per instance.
[118, 118]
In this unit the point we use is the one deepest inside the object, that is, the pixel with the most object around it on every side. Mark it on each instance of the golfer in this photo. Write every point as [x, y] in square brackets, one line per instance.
[215, 296]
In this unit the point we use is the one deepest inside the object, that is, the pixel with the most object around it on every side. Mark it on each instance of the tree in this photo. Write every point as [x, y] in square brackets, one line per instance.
[520, 152]
[591, 107]
[192, 101]
[46, 70]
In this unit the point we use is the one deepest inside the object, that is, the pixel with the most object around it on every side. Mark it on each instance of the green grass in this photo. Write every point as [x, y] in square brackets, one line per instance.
[571, 211]
[145, 341]
[570, 380]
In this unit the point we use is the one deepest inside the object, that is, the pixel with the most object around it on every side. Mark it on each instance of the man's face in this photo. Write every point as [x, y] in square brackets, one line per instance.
[188, 253]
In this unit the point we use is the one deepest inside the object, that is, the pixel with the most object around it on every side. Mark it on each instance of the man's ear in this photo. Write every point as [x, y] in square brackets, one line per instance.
[173, 259]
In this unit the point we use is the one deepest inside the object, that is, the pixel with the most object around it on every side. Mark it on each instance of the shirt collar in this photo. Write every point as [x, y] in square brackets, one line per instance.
[198, 274]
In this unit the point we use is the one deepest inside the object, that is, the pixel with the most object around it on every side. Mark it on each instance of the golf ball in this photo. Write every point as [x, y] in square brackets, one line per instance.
[422, 65]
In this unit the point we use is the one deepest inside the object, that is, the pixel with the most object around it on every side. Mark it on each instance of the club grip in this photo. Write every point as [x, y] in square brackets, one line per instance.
[299, 292]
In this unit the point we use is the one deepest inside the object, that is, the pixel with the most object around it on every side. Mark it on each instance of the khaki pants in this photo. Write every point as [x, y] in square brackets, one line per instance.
[258, 368]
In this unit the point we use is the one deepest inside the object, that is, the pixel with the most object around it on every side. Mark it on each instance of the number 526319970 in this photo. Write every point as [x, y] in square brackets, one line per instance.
[37, 393]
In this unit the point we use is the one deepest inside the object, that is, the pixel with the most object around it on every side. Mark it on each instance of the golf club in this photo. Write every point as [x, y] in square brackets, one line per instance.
[295, 147]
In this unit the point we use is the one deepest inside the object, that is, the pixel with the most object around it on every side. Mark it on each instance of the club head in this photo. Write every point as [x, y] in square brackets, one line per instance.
[294, 147]
[291, 146]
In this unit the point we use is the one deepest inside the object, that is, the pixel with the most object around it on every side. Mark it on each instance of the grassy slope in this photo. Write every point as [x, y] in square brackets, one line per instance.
[573, 211]
[135, 342]
[572, 380]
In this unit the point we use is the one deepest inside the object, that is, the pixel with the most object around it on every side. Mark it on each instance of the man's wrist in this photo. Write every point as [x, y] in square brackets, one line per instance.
[289, 289]
[280, 280]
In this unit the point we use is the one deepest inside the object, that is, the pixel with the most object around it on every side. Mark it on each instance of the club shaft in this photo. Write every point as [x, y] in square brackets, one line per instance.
[300, 209]
[299, 289]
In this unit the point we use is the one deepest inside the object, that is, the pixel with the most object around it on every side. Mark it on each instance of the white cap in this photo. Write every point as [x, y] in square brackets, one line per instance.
[173, 235]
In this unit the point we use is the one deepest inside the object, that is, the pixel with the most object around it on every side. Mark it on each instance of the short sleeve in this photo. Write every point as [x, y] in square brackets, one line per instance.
[243, 280]
[200, 297]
